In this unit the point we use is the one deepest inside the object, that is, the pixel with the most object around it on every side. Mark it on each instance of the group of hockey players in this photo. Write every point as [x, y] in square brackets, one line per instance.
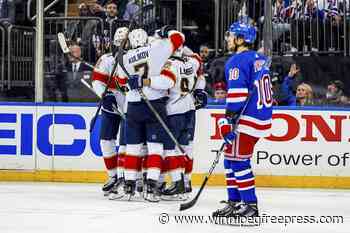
[154, 75]
[160, 71]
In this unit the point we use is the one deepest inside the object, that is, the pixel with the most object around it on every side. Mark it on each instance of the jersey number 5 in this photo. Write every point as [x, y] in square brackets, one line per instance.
[263, 87]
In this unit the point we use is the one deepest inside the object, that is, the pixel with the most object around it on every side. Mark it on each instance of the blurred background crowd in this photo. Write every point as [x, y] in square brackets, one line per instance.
[310, 44]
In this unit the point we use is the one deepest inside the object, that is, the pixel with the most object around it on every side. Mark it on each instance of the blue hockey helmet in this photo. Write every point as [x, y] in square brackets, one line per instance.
[244, 30]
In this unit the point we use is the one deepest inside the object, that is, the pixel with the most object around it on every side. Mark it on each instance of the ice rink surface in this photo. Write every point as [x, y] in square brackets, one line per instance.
[75, 208]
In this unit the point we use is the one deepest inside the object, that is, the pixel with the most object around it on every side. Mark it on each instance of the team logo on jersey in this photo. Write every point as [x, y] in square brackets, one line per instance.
[234, 74]
[258, 65]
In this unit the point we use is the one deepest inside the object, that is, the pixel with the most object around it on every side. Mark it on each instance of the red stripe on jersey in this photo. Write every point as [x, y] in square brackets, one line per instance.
[231, 182]
[254, 125]
[169, 74]
[246, 184]
[176, 40]
[154, 161]
[236, 95]
[97, 76]
[111, 162]
[132, 162]
[120, 80]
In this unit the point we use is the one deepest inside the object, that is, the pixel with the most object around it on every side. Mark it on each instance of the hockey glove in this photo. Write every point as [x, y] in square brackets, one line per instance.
[135, 82]
[225, 128]
[201, 98]
[232, 116]
[163, 31]
[109, 103]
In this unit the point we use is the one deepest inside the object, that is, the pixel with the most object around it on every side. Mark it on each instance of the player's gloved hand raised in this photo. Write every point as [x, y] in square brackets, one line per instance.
[201, 98]
[135, 82]
[225, 128]
[163, 31]
[109, 102]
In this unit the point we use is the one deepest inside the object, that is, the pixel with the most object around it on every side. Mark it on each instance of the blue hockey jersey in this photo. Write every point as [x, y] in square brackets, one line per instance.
[246, 74]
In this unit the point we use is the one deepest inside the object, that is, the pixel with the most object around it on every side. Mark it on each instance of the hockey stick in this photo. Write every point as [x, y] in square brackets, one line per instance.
[63, 44]
[191, 203]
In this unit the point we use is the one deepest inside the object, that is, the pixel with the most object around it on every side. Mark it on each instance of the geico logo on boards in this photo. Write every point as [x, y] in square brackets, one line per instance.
[330, 127]
[21, 127]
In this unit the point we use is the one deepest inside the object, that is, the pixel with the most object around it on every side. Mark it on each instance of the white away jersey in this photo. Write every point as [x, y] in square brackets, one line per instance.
[100, 76]
[180, 98]
[149, 62]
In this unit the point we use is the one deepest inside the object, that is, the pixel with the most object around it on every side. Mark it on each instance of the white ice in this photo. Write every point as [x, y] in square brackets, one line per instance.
[75, 208]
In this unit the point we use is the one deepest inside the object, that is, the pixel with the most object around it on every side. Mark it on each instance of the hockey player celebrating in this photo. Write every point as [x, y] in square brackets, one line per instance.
[112, 103]
[149, 75]
[200, 99]
[248, 118]
[181, 108]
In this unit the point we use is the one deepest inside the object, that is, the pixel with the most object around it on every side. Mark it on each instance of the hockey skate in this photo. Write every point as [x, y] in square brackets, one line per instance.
[247, 214]
[237, 214]
[175, 192]
[129, 189]
[247, 210]
[152, 192]
[107, 187]
[161, 187]
[117, 191]
[228, 211]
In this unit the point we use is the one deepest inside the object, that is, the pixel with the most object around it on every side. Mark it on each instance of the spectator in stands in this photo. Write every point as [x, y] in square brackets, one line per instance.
[97, 10]
[204, 52]
[68, 77]
[111, 11]
[205, 55]
[220, 92]
[280, 22]
[311, 11]
[111, 16]
[335, 94]
[132, 7]
[304, 95]
[288, 86]
[84, 10]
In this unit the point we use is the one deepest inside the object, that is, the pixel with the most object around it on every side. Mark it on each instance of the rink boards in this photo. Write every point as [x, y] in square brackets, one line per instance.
[308, 147]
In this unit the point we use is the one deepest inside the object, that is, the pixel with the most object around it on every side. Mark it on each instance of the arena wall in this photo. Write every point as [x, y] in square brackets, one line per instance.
[308, 147]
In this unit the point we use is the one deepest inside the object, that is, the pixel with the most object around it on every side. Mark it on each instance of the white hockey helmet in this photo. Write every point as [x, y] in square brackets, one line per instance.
[119, 35]
[138, 38]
